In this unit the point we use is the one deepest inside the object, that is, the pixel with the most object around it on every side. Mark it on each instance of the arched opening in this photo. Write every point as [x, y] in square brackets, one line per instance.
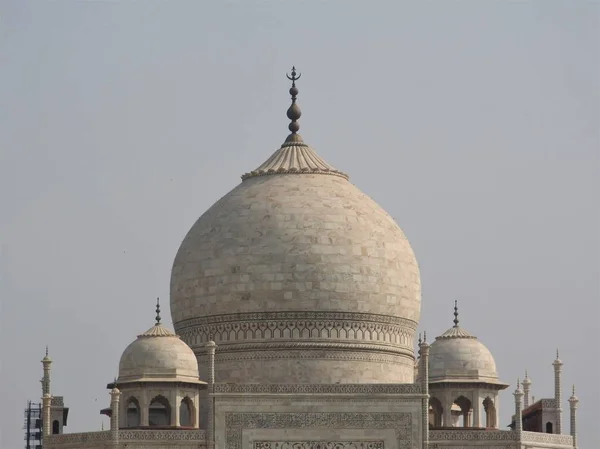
[461, 412]
[55, 427]
[132, 413]
[435, 412]
[490, 412]
[159, 412]
[186, 413]
[549, 427]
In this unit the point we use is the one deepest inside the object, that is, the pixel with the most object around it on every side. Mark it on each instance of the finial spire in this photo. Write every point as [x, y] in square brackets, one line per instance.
[424, 336]
[157, 311]
[293, 112]
[455, 313]
[46, 350]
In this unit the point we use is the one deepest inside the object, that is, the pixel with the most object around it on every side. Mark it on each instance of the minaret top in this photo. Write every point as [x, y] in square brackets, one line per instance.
[558, 362]
[573, 399]
[518, 391]
[46, 358]
[294, 112]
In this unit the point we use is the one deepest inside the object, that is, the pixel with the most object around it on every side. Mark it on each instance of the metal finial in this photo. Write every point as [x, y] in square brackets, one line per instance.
[46, 350]
[526, 375]
[573, 389]
[420, 340]
[157, 310]
[557, 357]
[518, 382]
[293, 112]
[424, 336]
[455, 313]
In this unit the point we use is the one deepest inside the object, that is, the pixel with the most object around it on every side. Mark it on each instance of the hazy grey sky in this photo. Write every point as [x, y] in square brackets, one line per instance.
[475, 124]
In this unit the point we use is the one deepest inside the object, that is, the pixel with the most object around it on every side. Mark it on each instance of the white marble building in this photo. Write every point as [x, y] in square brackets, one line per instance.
[296, 299]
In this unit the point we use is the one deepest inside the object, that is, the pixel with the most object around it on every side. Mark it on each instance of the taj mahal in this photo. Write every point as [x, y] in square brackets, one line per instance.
[295, 301]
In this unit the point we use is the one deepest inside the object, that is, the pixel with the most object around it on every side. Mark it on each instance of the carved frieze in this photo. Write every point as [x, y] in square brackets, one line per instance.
[401, 423]
[319, 445]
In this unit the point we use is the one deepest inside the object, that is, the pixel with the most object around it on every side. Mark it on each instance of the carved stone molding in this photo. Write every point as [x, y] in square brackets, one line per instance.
[322, 354]
[319, 445]
[236, 422]
[369, 389]
[337, 326]
[472, 435]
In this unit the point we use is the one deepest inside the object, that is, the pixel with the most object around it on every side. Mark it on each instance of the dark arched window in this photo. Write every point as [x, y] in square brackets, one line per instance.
[549, 427]
[159, 412]
[55, 427]
[186, 413]
[490, 412]
[133, 413]
[435, 412]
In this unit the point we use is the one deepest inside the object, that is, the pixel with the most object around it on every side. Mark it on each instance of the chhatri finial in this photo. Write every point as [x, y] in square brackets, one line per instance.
[424, 336]
[157, 311]
[293, 112]
[46, 350]
[455, 313]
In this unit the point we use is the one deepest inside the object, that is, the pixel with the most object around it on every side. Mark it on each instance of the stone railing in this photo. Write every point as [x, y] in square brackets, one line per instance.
[462, 439]
[341, 389]
[86, 439]
[194, 437]
[548, 439]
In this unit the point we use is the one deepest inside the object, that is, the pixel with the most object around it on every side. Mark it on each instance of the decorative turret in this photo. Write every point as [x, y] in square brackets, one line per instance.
[558, 392]
[424, 364]
[526, 391]
[573, 401]
[518, 394]
[46, 362]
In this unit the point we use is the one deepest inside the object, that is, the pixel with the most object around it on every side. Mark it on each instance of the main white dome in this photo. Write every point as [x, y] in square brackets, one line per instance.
[299, 277]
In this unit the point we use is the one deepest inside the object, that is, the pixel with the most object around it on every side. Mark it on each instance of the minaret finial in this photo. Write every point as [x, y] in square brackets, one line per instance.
[455, 313]
[157, 311]
[293, 112]
[46, 350]
[424, 336]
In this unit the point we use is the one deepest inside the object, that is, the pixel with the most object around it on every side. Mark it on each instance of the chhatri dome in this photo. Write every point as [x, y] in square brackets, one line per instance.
[458, 356]
[299, 277]
[158, 355]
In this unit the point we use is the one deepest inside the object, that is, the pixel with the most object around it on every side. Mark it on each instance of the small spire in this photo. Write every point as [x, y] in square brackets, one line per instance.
[420, 343]
[455, 313]
[557, 357]
[293, 112]
[424, 336]
[420, 339]
[157, 311]
[573, 389]
[46, 350]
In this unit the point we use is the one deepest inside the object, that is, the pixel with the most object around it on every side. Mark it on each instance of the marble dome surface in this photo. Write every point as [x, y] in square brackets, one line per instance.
[158, 355]
[298, 277]
[456, 355]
